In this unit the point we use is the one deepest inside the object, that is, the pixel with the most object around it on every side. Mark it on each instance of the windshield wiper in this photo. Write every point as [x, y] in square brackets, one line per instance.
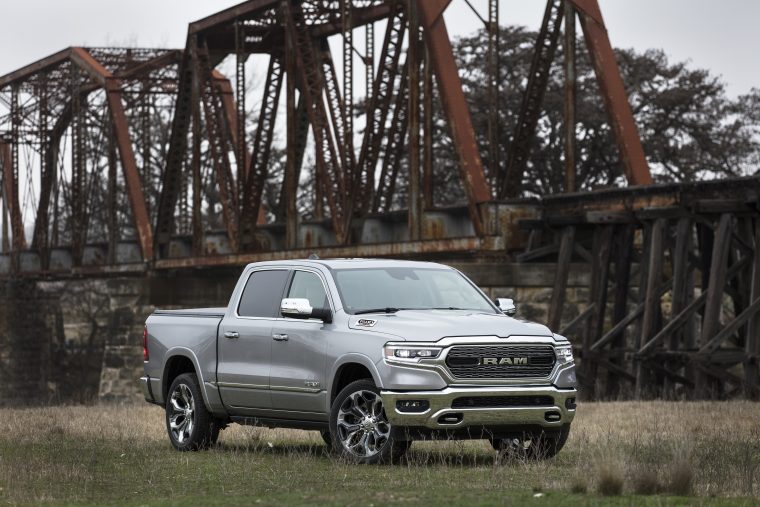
[449, 308]
[378, 310]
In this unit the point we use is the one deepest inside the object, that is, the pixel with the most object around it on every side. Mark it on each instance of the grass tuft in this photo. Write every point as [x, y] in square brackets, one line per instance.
[578, 485]
[610, 478]
[681, 476]
[645, 480]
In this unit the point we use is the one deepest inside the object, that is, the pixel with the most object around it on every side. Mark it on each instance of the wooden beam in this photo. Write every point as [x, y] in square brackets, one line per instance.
[560, 279]
[652, 298]
[752, 337]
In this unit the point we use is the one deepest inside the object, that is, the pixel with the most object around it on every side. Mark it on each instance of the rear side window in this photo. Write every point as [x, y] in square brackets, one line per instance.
[262, 294]
[308, 286]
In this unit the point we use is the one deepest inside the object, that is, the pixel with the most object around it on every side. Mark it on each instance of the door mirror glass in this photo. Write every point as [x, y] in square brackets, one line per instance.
[300, 308]
[507, 306]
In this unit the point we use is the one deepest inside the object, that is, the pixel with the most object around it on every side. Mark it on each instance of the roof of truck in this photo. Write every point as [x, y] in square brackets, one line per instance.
[353, 263]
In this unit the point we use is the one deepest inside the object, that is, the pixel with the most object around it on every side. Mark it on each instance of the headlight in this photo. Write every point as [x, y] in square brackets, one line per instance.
[564, 354]
[411, 354]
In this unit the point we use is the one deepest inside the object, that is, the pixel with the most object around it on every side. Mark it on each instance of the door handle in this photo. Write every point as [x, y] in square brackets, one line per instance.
[231, 334]
[280, 337]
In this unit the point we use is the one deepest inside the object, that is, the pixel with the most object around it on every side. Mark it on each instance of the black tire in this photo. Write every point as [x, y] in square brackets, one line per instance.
[532, 446]
[359, 404]
[327, 438]
[190, 425]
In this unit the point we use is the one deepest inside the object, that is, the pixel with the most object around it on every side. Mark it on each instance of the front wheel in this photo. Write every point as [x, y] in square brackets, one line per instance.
[190, 425]
[359, 430]
[532, 446]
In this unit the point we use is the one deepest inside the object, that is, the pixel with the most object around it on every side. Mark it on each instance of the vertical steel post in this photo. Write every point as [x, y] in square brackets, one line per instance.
[242, 150]
[18, 242]
[40, 240]
[198, 241]
[5, 155]
[77, 170]
[111, 213]
[570, 97]
[146, 144]
[427, 141]
[493, 94]
[348, 90]
[413, 60]
[290, 182]
[369, 62]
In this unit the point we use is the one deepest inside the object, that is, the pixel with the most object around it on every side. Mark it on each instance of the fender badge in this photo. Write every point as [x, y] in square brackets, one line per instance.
[366, 322]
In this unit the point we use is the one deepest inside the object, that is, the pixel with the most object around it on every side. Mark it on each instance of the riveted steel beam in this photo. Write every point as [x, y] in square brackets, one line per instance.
[455, 108]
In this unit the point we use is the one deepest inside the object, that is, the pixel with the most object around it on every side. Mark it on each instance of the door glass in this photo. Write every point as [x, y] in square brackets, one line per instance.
[308, 286]
[262, 294]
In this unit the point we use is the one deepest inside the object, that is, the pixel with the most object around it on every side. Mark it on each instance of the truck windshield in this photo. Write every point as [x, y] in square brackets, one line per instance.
[392, 289]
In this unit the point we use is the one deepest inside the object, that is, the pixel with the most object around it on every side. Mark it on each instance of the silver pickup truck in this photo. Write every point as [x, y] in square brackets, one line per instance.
[372, 353]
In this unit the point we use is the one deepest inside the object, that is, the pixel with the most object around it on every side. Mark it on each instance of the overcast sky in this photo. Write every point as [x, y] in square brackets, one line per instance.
[721, 36]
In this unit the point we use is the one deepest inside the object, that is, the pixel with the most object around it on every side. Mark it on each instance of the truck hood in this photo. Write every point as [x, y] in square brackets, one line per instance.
[432, 325]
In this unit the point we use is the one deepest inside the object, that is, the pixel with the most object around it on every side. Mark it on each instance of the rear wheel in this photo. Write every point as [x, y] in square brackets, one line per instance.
[533, 446]
[359, 429]
[190, 425]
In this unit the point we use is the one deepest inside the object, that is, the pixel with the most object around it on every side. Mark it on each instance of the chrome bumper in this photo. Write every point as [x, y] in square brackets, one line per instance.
[440, 410]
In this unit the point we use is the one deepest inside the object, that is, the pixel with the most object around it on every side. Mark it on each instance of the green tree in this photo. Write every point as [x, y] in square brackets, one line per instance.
[691, 129]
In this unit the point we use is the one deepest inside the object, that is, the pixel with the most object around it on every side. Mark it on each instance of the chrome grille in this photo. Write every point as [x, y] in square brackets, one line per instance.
[464, 362]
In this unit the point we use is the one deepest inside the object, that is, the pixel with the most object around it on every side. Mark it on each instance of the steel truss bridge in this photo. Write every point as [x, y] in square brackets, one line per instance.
[134, 161]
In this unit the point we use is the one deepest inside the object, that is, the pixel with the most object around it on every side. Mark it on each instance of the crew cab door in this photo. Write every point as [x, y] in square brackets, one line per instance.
[297, 374]
[245, 341]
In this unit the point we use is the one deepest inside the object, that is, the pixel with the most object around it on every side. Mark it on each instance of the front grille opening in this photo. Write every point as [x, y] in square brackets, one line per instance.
[502, 401]
[501, 361]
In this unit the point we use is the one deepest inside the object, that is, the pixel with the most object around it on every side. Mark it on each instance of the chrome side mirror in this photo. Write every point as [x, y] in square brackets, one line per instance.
[300, 308]
[507, 306]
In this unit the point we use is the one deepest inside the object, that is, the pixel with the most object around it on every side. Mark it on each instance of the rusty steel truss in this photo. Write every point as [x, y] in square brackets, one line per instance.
[157, 147]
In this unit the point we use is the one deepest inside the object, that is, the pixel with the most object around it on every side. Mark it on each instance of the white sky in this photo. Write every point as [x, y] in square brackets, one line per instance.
[720, 36]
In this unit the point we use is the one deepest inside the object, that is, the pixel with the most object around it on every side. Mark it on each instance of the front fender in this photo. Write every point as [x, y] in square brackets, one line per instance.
[358, 359]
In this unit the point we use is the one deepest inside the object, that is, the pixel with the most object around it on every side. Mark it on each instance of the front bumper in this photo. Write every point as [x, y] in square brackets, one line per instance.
[441, 416]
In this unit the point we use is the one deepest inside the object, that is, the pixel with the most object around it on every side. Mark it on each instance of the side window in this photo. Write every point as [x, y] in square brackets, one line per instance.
[261, 295]
[309, 286]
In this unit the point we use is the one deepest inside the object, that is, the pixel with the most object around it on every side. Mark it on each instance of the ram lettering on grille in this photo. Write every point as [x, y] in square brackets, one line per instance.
[501, 361]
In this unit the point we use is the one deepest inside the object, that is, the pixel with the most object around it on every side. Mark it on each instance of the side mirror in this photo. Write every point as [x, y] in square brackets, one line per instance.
[507, 306]
[299, 308]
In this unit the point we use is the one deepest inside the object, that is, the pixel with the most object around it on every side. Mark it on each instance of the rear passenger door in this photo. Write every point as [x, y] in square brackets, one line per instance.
[245, 342]
[297, 376]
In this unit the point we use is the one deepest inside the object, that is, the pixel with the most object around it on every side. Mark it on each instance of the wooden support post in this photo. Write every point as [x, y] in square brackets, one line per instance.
[752, 340]
[623, 259]
[681, 273]
[560, 278]
[600, 267]
[716, 284]
[651, 300]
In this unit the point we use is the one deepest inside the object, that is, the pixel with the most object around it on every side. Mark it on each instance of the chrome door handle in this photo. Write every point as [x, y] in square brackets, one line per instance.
[231, 334]
[280, 337]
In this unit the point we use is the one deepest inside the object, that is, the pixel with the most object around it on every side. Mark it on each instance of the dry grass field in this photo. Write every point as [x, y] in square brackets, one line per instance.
[652, 453]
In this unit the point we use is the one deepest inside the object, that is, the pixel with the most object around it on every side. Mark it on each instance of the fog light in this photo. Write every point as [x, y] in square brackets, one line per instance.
[570, 403]
[412, 405]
